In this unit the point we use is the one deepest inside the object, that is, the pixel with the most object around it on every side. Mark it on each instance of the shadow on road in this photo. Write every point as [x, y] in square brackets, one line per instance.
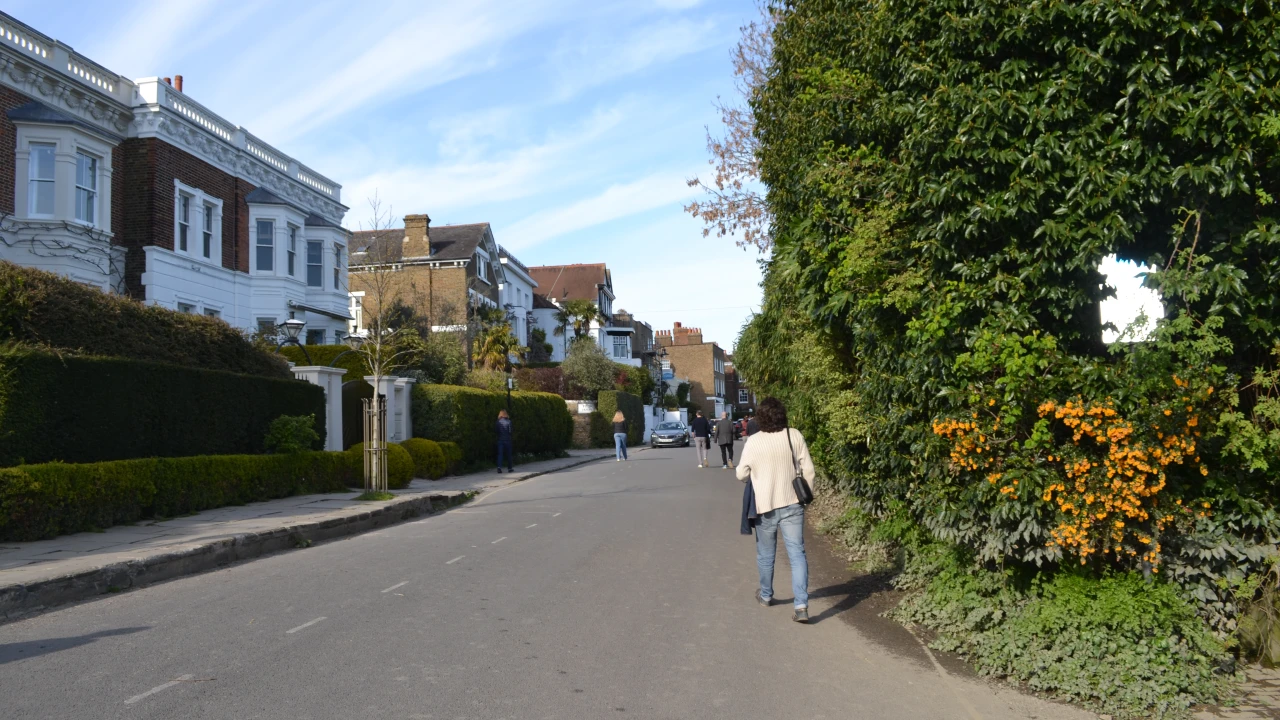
[850, 592]
[11, 652]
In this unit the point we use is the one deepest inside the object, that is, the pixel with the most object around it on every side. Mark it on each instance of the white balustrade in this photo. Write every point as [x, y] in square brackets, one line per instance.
[25, 40]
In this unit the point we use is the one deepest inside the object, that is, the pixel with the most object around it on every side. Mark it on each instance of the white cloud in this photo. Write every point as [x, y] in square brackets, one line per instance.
[1131, 298]
[594, 61]
[618, 201]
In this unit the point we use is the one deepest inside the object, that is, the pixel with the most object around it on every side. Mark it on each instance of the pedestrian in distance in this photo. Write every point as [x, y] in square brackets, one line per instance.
[771, 460]
[752, 426]
[505, 445]
[724, 438]
[701, 430]
[620, 435]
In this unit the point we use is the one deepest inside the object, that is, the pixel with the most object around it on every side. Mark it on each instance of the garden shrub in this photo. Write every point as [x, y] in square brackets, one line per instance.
[541, 379]
[88, 409]
[452, 456]
[428, 458]
[610, 401]
[44, 309]
[468, 416]
[400, 466]
[46, 500]
[292, 433]
[1131, 647]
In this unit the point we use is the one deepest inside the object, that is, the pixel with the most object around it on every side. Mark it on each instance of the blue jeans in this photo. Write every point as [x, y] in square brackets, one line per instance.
[790, 520]
[504, 448]
[620, 445]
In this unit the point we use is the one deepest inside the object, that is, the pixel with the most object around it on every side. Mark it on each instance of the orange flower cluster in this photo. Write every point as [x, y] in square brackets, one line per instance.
[1109, 502]
[968, 442]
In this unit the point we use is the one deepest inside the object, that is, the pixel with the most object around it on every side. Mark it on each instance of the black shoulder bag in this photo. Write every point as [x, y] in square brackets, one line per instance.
[798, 483]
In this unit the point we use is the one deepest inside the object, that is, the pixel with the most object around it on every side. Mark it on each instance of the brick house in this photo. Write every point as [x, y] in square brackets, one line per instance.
[134, 187]
[738, 395]
[701, 364]
[443, 273]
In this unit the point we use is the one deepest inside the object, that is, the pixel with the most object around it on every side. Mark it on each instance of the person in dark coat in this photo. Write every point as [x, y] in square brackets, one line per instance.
[752, 426]
[724, 438]
[505, 445]
[701, 430]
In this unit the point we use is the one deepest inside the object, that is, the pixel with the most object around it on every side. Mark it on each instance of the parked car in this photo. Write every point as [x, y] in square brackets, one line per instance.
[671, 433]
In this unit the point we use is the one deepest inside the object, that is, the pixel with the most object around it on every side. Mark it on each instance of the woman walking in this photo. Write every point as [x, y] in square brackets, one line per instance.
[770, 461]
[505, 445]
[620, 435]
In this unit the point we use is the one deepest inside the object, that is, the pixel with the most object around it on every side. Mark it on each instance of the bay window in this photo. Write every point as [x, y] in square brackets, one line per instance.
[184, 220]
[315, 259]
[86, 188]
[293, 249]
[337, 266]
[208, 230]
[266, 244]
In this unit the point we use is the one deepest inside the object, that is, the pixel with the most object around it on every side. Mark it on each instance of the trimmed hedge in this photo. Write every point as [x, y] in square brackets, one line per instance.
[400, 467]
[89, 409]
[353, 362]
[468, 417]
[42, 308]
[428, 458]
[43, 501]
[452, 456]
[632, 407]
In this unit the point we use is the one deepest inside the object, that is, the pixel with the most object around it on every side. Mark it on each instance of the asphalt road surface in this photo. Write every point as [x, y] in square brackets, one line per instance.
[613, 590]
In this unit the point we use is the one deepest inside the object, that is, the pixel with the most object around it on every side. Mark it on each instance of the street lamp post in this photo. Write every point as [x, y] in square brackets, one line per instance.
[352, 341]
[292, 329]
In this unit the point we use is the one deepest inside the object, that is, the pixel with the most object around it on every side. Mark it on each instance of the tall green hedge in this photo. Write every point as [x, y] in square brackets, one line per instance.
[87, 409]
[41, 308]
[42, 501]
[468, 417]
[632, 407]
[353, 362]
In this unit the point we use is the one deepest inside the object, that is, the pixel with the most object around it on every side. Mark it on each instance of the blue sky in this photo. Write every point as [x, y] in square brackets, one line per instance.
[570, 126]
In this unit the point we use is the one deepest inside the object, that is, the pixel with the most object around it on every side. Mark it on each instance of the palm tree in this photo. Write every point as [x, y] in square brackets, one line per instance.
[497, 346]
[581, 314]
[563, 318]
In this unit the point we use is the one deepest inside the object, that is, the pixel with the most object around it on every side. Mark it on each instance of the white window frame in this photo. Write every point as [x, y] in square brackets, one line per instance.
[744, 396]
[182, 209]
[291, 251]
[318, 265]
[209, 217]
[34, 182]
[188, 308]
[94, 192]
[258, 246]
[339, 250]
[198, 201]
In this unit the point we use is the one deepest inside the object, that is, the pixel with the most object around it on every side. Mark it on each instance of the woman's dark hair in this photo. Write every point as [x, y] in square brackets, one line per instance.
[771, 415]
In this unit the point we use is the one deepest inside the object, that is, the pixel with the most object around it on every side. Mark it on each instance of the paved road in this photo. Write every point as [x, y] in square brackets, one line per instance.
[612, 590]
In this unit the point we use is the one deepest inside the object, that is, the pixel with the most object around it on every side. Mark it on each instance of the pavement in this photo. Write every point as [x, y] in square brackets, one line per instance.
[606, 590]
[37, 575]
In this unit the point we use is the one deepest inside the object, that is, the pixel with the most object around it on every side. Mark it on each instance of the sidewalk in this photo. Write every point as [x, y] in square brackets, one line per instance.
[38, 575]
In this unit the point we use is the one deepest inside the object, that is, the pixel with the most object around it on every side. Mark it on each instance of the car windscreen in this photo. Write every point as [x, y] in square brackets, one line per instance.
[670, 426]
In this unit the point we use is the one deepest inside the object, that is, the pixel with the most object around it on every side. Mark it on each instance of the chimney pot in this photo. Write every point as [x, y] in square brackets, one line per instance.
[167, 81]
[177, 82]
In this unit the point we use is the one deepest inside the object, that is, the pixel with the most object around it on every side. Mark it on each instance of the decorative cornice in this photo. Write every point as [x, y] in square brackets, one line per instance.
[161, 123]
[63, 93]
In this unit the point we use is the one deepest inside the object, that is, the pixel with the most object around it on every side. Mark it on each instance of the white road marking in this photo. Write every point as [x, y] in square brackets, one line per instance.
[532, 526]
[495, 542]
[304, 626]
[455, 560]
[397, 585]
[556, 515]
[469, 512]
[157, 689]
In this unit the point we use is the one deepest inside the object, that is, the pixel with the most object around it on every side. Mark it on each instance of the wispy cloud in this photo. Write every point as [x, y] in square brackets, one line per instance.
[618, 201]
[152, 32]
[584, 63]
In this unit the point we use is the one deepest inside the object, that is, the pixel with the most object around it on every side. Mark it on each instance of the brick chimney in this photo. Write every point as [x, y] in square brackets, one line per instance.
[177, 83]
[417, 236]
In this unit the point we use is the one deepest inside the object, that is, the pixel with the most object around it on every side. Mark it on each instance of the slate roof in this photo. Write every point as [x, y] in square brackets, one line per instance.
[38, 112]
[571, 282]
[448, 242]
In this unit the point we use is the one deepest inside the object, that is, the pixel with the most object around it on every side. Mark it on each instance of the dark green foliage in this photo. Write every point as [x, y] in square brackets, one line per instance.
[541, 379]
[632, 407]
[599, 431]
[354, 393]
[43, 501]
[86, 409]
[291, 434]
[588, 370]
[1133, 648]
[41, 308]
[400, 466]
[428, 458]
[468, 416]
[635, 380]
[325, 355]
[452, 456]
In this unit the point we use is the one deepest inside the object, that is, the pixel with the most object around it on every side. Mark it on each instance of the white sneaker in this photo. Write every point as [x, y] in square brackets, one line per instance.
[724, 467]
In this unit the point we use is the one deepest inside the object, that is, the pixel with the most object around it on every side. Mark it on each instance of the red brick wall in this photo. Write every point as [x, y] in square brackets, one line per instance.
[147, 168]
[9, 99]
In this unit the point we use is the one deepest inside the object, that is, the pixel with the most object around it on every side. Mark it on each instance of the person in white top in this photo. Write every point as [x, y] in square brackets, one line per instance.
[770, 460]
